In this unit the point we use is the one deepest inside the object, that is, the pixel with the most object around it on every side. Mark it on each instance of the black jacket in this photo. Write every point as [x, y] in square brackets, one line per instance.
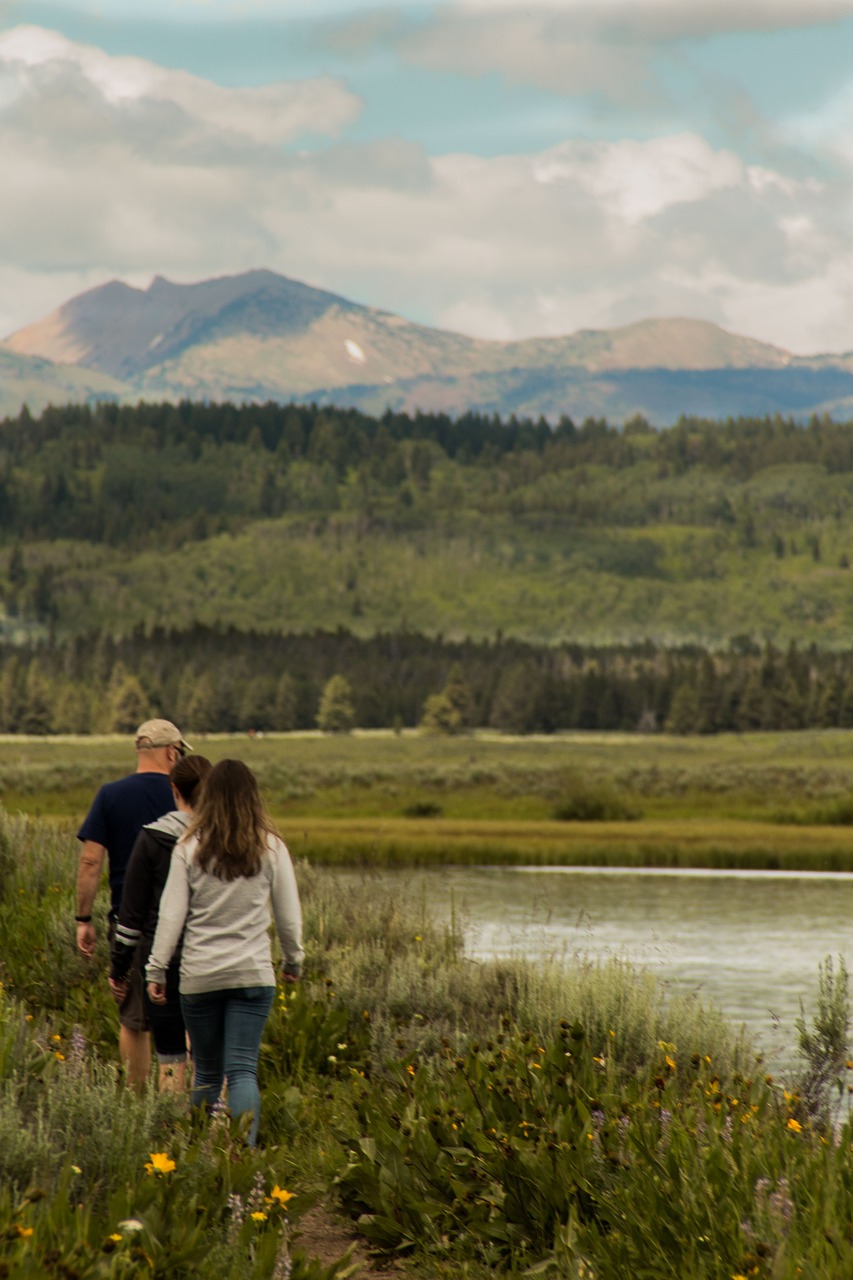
[145, 879]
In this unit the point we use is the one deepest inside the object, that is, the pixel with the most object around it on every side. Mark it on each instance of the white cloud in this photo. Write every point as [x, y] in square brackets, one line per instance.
[577, 47]
[636, 180]
[670, 19]
[32, 61]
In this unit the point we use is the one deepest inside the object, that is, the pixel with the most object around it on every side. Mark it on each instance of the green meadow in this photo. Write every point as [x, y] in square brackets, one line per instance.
[752, 800]
[424, 1116]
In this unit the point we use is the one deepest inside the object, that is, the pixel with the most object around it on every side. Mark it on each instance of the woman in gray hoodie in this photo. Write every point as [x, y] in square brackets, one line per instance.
[227, 871]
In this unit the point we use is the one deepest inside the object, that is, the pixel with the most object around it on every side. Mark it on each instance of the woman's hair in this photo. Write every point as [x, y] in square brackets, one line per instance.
[230, 822]
[187, 776]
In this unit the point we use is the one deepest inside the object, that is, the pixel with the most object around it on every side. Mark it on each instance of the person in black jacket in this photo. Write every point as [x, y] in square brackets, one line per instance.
[136, 923]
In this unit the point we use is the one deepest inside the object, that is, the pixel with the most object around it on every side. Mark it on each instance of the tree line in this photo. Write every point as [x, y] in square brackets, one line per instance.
[120, 474]
[228, 681]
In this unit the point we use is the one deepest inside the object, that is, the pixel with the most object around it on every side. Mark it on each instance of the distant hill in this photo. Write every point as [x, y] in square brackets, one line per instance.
[260, 336]
[30, 380]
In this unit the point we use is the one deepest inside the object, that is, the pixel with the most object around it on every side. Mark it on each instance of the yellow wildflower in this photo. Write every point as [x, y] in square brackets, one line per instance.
[410, 1069]
[160, 1162]
[278, 1193]
[670, 1062]
[23, 1232]
[794, 1125]
[60, 1057]
[258, 1216]
[115, 1237]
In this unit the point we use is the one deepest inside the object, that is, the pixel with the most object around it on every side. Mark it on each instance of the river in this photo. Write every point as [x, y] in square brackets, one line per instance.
[748, 943]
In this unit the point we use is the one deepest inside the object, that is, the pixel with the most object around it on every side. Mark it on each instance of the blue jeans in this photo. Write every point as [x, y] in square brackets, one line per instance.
[225, 1029]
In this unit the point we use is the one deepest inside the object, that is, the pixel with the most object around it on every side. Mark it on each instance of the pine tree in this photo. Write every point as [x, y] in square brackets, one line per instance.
[286, 703]
[128, 706]
[336, 713]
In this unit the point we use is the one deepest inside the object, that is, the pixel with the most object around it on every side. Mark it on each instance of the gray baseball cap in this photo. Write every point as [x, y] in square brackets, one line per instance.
[160, 733]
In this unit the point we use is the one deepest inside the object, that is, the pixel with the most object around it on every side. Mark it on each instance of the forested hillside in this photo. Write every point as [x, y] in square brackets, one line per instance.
[294, 519]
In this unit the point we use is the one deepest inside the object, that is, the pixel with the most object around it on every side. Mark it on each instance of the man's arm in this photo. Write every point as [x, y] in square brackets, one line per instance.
[89, 873]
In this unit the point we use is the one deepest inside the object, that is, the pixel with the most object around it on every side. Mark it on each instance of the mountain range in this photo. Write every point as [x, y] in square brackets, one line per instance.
[260, 336]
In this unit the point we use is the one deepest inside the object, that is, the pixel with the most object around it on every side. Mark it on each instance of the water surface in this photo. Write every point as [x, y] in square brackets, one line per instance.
[747, 942]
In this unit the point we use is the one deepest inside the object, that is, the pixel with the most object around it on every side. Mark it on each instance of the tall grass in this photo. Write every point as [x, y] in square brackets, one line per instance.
[592, 1128]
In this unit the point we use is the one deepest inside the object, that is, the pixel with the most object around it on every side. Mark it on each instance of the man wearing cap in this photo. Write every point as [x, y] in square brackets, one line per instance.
[118, 812]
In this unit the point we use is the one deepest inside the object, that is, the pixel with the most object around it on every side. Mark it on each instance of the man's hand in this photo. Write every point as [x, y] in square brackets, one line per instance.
[92, 857]
[119, 989]
[157, 992]
[86, 938]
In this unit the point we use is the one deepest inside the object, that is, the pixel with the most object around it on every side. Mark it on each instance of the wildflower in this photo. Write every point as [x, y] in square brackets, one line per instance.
[56, 1039]
[256, 1196]
[410, 1069]
[130, 1224]
[794, 1125]
[343, 1045]
[236, 1209]
[670, 1062]
[23, 1232]
[159, 1163]
[75, 1168]
[331, 1058]
[418, 938]
[278, 1193]
[258, 1216]
[60, 1057]
[115, 1237]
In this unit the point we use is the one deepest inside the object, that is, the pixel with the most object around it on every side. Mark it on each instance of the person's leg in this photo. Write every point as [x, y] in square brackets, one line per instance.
[245, 1018]
[134, 1049]
[134, 1042]
[169, 1035]
[204, 1015]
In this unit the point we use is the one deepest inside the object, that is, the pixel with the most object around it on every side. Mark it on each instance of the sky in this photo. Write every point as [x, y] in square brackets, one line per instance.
[503, 168]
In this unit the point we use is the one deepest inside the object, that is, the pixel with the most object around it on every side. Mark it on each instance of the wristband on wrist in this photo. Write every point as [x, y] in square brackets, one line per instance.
[83, 919]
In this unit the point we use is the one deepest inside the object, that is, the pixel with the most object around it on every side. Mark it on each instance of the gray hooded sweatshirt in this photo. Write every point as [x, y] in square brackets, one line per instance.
[225, 923]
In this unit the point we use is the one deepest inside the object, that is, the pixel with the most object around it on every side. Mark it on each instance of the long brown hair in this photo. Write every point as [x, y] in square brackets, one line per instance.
[187, 777]
[231, 822]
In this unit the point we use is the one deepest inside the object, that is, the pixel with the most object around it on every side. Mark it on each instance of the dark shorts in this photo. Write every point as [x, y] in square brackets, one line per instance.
[167, 1021]
[131, 1011]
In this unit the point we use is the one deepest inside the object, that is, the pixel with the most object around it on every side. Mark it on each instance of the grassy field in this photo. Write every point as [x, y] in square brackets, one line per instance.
[762, 800]
[455, 1121]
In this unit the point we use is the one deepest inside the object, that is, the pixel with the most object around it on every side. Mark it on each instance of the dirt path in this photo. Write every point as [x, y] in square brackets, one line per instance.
[323, 1236]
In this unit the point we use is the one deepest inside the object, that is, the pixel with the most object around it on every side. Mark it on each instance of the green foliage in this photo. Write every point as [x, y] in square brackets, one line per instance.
[226, 516]
[825, 1046]
[571, 1121]
[539, 1149]
[336, 713]
[583, 801]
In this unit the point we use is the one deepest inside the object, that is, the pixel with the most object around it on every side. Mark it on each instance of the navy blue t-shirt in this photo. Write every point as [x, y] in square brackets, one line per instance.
[118, 812]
